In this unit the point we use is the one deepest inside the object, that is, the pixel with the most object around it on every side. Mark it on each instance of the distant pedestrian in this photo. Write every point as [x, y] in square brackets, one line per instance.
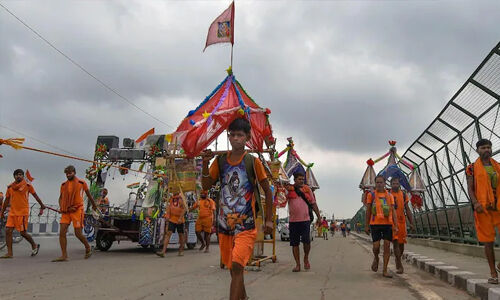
[324, 228]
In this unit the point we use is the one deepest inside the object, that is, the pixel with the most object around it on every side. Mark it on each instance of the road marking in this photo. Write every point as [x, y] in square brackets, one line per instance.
[422, 291]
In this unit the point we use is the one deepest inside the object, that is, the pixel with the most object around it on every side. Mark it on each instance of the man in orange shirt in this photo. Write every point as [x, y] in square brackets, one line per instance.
[103, 201]
[175, 215]
[72, 211]
[381, 216]
[205, 219]
[482, 183]
[239, 174]
[401, 205]
[18, 196]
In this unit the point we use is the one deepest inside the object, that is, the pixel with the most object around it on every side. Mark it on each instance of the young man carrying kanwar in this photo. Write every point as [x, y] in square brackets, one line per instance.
[205, 220]
[239, 174]
[175, 216]
[300, 199]
[72, 211]
[381, 214]
[18, 197]
[482, 183]
[402, 212]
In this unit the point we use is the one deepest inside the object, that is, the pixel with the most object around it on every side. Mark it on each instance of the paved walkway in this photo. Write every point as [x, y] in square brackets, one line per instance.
[340, 268]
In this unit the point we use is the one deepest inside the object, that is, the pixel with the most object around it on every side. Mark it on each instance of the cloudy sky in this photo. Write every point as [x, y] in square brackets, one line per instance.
[341, 77]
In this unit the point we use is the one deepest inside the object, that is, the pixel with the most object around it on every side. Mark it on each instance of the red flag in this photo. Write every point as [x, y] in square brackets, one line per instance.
[29, 178]
[143, 137]
[222, 28]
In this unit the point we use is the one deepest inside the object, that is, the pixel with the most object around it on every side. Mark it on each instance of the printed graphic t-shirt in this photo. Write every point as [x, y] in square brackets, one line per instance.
[237, 203]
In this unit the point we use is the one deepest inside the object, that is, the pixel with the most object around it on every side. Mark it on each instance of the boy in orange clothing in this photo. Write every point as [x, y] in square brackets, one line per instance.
[381, 215]
[17, 196]
[205, 219]
[72, 211]
[175, 215]
[401, 205]
[238, 173]
[482, 183]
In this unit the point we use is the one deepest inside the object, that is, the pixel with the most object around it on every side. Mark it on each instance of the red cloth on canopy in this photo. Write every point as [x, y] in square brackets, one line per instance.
[203, 125]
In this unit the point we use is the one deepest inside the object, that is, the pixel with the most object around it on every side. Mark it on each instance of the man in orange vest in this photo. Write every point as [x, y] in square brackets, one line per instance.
[205, 220]
[17, 196]
[72, 211]
[381, 215]
[482, 183]
[401, 205]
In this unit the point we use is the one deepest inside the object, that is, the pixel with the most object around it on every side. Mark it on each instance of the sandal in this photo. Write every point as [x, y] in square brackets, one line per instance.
[89, 253]
[387, 275]
[296, 269]
[59, 259]
[160, 254]
[6, 256]
[34, 252]
[181, 253]
[307, 266]
[493, 280]
[400, 271]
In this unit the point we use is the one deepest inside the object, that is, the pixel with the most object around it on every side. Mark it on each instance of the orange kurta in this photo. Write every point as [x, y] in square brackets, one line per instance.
[18, 193]
[486, 221]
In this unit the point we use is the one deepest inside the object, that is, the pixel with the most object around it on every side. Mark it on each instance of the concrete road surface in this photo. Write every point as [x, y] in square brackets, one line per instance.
[340, 270]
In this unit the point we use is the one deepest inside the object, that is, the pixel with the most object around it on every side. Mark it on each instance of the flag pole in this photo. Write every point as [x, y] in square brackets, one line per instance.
[232, 35]
[232, 55]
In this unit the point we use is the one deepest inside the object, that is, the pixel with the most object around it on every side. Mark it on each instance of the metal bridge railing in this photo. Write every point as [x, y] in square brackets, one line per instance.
[447, 146]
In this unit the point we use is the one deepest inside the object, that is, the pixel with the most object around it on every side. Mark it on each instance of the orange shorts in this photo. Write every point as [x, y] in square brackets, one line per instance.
[485, 225]
[20, 223]
[401, 235]
[75, 217]
[237, 248]
[204, 224]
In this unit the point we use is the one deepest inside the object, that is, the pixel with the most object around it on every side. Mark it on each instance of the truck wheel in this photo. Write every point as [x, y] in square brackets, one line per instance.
[104, 241]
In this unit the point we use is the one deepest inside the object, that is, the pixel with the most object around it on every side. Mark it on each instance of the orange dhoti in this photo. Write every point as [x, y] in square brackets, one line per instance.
[204, 224]
[237, 248]
[75, 217]
[401, 235]
[485, 225]
[20, 223]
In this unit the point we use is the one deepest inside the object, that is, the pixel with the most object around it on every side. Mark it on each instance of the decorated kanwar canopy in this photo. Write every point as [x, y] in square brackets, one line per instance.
[226, 103]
